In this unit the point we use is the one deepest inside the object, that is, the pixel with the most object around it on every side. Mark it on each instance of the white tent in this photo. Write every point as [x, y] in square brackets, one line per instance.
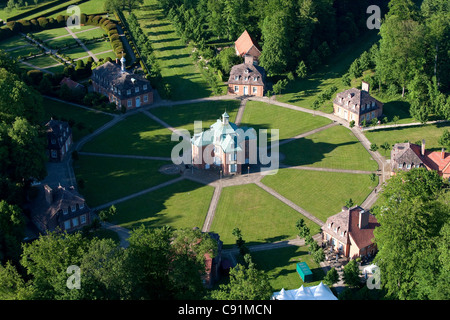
[319, 292]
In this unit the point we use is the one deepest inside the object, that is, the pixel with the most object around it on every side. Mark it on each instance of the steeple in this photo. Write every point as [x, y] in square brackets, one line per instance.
[225, 118]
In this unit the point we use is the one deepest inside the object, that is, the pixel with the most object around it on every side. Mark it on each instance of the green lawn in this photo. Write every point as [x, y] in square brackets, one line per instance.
[174, 57]
[335, 147]
[183, 116]
[430, 133]
[180, 205]
[321, 193]
[261, 217]
[303, 92]
[134, 135]
[23, 51]
[107, 179]
[43, 61]
[13, 42]
[261, 115]
[280, 266]
[85, 121]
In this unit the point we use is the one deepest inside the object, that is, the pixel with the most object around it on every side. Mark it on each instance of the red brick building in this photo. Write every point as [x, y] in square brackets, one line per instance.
[351, 232]
[121, 87]
[247, 79]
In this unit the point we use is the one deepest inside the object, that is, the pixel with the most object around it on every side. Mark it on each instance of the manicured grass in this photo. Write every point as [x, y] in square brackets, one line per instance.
[13, 42]
[75, 53]
[335, 147]
[88, 33]
[61, 42]
[85, 121]
[321, 193]
[183, 116]
[280, 266]
[99, 46]
[111, 54]
[43, 61]
[23, 51]
[134, 135]
[303, 92]
[261, 115]
[430, 133]
[261, 217]
[174, 57]
[48, 34]
[180, 205]
[107, 179]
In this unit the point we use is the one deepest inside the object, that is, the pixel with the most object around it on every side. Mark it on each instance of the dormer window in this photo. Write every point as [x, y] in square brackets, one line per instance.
[373, 103]
[255, 78]
[363, 107]
[82, 205]
[73, 208]
[246, 78]
[236, 78]
[65, 211]
[246, 70]
[136, 90]
[144, 87]
[128, 91]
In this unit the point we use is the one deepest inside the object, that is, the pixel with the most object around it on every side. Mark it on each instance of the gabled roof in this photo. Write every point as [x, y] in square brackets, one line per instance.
[245, 43]
[406, 153]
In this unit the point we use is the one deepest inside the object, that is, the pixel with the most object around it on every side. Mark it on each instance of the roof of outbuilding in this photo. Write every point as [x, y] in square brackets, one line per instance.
[356, 98]
[244, 43]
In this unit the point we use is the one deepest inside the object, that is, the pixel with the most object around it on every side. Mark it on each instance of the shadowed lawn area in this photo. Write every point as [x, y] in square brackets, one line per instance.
[335, 147]
[280, 266]
[261, 115]
[107, 179]
[431, 133]
[303, 92]
[84, 120]
[134, 135]
[321, 193]
[261, 217]
[180, 205]
[174, 58]
[43, 61]
[183, 116]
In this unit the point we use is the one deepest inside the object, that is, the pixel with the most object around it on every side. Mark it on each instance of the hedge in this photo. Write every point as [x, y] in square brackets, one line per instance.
[43, 23]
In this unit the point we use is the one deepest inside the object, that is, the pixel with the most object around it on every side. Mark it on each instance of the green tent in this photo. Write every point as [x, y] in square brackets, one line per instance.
[304, 272]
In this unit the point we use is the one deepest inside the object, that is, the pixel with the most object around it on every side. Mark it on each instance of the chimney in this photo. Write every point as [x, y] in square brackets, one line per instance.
[363, 219]
[248, 59]
[443, 154]
[365, 86]
[48, 194]
[422, 152]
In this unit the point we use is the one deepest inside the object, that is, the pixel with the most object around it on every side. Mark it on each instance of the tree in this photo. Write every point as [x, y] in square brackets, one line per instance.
[12, 285]
[415, 212]
[246, 283]
[301, 70]
[331, 277]
[318, 255]
[373, 147]
[385, 146]
[351, 274]
[349, 203]
[279, 86]
[444, 139]
[276, 49]
[240, 243]
[12, 230]
[106, 215]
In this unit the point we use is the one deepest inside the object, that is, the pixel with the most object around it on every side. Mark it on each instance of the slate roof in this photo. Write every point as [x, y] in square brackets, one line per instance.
[240, 72]
[110, 75]
[356, 99]
[347, 222]
[51, 215]
[57, 133]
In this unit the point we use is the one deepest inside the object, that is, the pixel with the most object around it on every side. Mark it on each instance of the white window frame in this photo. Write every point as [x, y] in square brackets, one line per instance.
[83, 219]
[128, 92]
[136, 90]
[236, 88]
[75, 222]
[130, 103]
[145, 98]
[255, 89]
[144, 87]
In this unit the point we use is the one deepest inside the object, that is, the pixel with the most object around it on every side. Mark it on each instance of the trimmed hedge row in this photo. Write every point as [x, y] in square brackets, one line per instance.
[27, 26]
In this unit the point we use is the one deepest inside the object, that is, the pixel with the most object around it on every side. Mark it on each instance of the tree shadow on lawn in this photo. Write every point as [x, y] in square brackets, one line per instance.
[303, 151]
[146, 209]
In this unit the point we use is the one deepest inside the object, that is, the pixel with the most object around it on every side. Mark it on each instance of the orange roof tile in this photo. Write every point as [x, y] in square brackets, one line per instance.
[244, 43]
